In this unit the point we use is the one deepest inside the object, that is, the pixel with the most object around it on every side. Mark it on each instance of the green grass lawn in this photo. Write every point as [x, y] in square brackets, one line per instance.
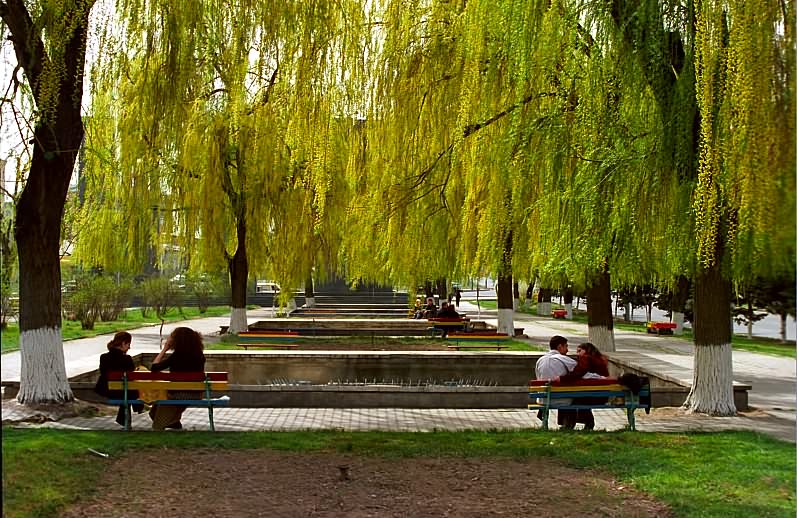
[131, 319]
[726, 474]
[761, 345]
[229, 342]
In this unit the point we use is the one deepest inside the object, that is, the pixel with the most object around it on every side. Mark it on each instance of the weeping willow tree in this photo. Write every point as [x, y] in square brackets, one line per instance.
[221, 118]
[49, 41]
[406, 192]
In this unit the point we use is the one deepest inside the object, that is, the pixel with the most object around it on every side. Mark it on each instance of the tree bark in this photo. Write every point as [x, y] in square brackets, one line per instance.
[680, 294]
[57, 138]
[516, 294]
[309, 294]
[568, 300]
[239, 275]
[506, 322]
[599, 312]
[544, 302]
[783, 328]
[712, 384]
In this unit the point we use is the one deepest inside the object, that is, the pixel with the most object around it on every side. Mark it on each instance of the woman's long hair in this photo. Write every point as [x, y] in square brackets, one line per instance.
[186, 341]
[119, 339]
[590, 349]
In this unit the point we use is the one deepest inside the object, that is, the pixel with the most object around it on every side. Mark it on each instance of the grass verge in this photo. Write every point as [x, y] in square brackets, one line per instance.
[724, 474]
[130, 319]
[229, 342]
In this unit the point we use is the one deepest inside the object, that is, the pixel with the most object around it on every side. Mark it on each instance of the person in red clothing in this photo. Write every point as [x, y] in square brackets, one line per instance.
[590, 363]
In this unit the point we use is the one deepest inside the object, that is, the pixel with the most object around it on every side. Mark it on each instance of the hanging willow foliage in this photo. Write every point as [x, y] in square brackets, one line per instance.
[746, 183]
[221, 114]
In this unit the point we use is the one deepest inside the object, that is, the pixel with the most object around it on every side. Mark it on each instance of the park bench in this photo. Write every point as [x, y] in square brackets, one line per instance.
[443, 325]
[478, 340]
[160, 382]
[661, 328]
[559, 313]
[611, 392]
[272, 339]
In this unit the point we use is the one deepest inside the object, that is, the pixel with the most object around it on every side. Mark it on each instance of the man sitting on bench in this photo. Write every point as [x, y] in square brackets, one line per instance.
[553, 364]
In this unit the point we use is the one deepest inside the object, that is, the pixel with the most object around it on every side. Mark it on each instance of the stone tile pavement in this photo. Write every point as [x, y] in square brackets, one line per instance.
[407, 420]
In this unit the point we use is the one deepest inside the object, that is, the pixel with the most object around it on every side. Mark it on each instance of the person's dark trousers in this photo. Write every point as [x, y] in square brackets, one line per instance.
[566, 418]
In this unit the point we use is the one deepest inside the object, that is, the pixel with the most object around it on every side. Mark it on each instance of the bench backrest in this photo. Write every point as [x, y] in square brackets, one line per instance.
[143, 380]
[608, 387]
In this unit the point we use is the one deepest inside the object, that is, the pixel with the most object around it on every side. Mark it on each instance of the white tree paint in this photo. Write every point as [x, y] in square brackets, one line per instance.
[43, 376]
[569, 309]
[678, 318]
[602, 337]
[238, 321]
[291, 307]
[515, 304]
[544, 309]
[712, 382]
[506, 323]
[309, 302]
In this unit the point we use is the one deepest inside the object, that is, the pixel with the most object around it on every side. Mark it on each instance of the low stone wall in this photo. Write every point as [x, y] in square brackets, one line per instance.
[418, 379]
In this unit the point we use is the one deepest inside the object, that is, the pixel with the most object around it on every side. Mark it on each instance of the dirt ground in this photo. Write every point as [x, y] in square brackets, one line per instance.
[276, 484]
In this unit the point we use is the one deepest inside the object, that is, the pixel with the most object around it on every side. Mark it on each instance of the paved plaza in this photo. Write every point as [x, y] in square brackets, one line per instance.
[772, 396]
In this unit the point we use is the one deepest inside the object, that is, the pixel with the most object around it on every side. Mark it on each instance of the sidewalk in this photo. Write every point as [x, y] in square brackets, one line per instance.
[776, 397]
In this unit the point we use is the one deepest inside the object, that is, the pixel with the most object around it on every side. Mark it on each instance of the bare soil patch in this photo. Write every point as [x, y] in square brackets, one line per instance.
[268, 483]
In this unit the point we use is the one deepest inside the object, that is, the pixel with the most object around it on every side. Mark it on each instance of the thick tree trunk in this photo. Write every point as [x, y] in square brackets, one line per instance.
[442, 289]
[599, 312]
[239, 276]
[544, 302]
[309, 294]
[57, 138]
[506, 323]
[568, 300]
[712, 384]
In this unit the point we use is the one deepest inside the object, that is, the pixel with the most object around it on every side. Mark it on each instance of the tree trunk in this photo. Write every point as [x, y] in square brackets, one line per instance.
[516, 293]
[568, 299]
[680, 294]
[750, 315]
[506, 322]
[712, 384]
[544, 302]
[783, 328]
[442, 290]
[239, 276]
[309, 294]
[599, 312]
[57, 138]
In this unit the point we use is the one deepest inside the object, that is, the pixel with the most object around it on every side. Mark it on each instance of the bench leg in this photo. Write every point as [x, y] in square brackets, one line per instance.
[210, 417]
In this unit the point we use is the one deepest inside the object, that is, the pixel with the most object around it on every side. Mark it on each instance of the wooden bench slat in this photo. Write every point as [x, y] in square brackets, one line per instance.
[276, 345]
[168, 385]
[168, 376]
[181, 402]
[485, 346]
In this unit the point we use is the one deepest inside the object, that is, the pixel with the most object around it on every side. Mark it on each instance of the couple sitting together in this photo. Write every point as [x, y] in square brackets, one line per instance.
[556, 366]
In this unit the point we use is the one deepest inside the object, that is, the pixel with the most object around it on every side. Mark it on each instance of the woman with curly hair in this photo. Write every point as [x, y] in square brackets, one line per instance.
[186, 355]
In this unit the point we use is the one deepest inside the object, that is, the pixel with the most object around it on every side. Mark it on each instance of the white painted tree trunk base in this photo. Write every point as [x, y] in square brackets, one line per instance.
[43, 376]
[506, 322]
[309, 302]
[712, 382]
[569, 309]
[290, 307]
[238, 321]
[678, 319]
[602, 337]
[515, 304]
[544, 309]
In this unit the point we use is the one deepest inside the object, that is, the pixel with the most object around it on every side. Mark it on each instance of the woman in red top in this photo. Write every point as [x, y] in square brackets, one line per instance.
[589, 360]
